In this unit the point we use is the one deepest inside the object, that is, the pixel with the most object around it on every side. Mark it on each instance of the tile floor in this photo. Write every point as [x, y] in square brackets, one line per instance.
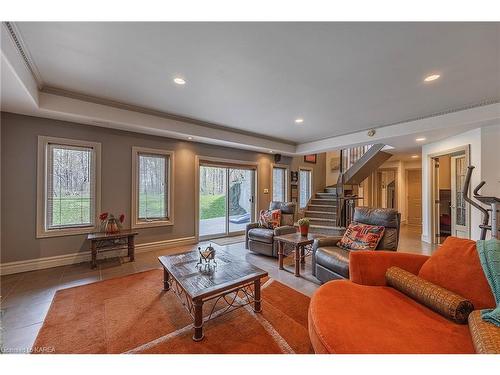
[26, 297]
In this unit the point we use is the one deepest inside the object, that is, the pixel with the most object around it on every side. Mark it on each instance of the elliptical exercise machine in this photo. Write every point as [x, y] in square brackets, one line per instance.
[493, 202]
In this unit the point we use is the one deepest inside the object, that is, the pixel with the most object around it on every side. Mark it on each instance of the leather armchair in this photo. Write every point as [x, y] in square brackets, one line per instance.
[331, 262]
[261, 240]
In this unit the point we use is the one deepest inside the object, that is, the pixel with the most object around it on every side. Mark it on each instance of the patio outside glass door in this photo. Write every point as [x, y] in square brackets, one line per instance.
[227, 200]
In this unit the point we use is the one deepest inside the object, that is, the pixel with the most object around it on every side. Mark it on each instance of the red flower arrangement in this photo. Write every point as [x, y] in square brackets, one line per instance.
[103, 216]
[122, 218]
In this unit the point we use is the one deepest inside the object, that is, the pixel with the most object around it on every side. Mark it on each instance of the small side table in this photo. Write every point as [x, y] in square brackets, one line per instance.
[301, 248]
[100, 242]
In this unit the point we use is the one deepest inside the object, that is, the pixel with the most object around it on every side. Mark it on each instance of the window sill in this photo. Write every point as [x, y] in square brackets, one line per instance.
[152, 224]
[65, 232]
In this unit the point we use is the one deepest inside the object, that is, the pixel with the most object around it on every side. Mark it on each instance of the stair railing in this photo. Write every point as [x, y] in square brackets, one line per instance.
[347, 203]
[349, 156]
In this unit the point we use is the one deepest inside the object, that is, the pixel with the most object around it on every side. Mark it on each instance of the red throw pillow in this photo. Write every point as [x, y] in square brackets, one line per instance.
[270, 219]
[361, 237]
[455, 266]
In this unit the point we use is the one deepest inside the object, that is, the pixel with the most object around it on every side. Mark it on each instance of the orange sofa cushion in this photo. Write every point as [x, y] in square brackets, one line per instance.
[455, 266]
[345, 317]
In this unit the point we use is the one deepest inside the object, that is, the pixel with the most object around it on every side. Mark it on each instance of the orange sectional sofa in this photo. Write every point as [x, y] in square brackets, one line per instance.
[364, 315]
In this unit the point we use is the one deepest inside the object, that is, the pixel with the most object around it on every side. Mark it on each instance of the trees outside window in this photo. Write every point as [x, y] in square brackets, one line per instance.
[68, 186]
[152, 187]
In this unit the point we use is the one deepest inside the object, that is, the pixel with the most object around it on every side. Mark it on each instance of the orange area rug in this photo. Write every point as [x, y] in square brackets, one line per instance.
[132, 314]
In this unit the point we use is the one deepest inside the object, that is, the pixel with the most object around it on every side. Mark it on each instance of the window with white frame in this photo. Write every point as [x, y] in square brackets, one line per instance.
[279, 184]
[68, 186]
[305, 187]
[151, 201]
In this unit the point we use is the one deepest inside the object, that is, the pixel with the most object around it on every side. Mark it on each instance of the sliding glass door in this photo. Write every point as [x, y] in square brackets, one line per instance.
[241, 198]
[227, 202]
[213, 201]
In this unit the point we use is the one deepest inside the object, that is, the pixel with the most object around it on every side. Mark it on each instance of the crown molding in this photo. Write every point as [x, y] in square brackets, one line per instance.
[481, 103]
[57, 103]
[153, 112]
[459, 120]
[23, 51]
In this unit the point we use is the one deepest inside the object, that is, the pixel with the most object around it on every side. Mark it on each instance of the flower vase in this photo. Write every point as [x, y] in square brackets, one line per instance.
[111, 226]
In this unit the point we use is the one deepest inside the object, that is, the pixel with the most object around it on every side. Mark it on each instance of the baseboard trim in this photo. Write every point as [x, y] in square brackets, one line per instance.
[426, 238]
[84, 256]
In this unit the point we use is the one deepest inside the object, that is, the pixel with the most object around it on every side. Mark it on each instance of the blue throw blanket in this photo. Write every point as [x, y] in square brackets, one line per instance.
[489, 254]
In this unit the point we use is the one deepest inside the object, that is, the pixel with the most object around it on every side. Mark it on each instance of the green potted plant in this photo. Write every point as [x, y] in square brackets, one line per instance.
[304, 226]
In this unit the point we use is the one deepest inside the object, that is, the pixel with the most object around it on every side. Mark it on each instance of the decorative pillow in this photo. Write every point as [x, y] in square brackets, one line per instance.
[442, 301]
[270, 219]
[361, 237]
[485, 336]
[455, 266]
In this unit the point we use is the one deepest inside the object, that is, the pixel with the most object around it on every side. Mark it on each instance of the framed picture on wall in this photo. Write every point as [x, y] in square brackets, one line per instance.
[310, 158]
[294, 177]
[335, 163]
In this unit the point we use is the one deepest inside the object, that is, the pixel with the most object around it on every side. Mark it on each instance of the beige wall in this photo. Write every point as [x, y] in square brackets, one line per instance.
[18, 168]
[331, 175]
[490, 140]
[318, 170]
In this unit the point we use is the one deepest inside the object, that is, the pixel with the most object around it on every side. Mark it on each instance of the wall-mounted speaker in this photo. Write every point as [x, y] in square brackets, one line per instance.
[277, 158]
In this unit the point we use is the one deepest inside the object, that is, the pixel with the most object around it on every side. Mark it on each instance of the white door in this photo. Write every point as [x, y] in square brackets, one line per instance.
[459, 210]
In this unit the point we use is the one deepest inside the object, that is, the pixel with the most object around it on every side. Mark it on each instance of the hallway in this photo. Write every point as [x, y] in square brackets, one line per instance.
[410, 241]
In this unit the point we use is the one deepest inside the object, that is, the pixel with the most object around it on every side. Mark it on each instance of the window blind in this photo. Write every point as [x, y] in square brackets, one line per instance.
[279, 184]
[70, 186]
[152, 187]
[305, 187]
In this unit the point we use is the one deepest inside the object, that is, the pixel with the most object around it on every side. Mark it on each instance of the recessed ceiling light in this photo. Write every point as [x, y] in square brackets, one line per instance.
[414, 156]
[432, 77]
[421, 139]
[190, 138]
[271, 151]
[179, 81]
[299, 120]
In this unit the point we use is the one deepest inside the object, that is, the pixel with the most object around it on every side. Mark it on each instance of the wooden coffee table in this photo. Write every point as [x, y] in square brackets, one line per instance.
[233, 281]
[301, 247]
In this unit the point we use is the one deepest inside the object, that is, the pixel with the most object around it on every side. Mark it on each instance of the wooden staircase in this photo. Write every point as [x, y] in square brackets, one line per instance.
[331, 211]
[322, 212]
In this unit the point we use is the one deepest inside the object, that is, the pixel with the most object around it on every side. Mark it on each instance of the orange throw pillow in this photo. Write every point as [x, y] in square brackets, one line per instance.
[455, 266]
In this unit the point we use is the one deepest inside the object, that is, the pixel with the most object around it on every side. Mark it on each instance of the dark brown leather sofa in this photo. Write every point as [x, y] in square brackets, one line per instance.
[330, 262]
[261, 240]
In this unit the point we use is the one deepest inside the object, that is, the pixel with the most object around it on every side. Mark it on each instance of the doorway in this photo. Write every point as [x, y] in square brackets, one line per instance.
[226, 200]
[414, 196]
[386, 188]
[450, 214]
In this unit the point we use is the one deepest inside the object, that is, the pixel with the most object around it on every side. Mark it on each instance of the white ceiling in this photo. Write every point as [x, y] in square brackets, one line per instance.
[258, 77]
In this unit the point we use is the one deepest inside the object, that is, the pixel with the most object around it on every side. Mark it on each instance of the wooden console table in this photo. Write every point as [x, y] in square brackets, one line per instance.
[100, 242]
